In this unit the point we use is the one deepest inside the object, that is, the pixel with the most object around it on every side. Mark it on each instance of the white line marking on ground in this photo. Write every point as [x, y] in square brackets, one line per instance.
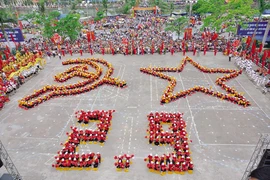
[190, 111]
[130, 135]
[253, 99]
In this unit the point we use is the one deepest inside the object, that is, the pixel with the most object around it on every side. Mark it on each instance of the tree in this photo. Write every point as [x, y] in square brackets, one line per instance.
[30, 17]
[49, 24]
[206, 6]
[178, 25]
[99, 16]
[69, 26]
[105, 6]
[164, 7]
[171, 8]
[73, 6]
[232, 14]
[126, 7]
[6, 18]
[41, 7]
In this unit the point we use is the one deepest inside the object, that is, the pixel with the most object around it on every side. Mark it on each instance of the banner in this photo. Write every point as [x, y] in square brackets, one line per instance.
[14, 35]
[249, 30]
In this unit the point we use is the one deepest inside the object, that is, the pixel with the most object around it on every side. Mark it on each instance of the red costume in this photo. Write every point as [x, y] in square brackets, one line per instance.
[172, 51]
[63, 52]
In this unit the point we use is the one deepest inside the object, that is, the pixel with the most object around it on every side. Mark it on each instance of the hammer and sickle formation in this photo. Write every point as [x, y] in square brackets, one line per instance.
[92, 81]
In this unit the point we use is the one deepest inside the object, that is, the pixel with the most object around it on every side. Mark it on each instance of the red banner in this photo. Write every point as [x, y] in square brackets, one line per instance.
[188, 33]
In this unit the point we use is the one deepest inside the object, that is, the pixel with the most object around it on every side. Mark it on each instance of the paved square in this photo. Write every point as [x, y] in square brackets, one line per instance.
[224, 134]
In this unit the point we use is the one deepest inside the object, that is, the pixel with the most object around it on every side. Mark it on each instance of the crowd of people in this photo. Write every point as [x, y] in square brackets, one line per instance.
[92, 81]
[179, 161]
[168, 96]
[123, 162]
[132, 36]
[15, 70]
[68, 156]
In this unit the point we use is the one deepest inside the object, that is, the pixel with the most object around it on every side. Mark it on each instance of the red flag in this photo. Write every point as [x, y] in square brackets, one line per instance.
[88, 36]
[261, 47]
[203, 35]
[236, 43]
[228, 45]
[248, 41]
[183, 44]
[1, 63]
[253, 49]
[93, 37]
[264, 58]
[215, 36]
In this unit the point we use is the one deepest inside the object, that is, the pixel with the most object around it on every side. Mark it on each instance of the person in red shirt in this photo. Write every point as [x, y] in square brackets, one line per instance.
[63, 52]
[142, 50]
[126, 51]
[81, 52]
[157, 166]
[98, 157]
[172, 50]
[96, 163]
[70, 52]
[151, 165]
[91, 51]
[163, 167]
[127, 165]
[102, 51]
[134, 51]
[112, 51]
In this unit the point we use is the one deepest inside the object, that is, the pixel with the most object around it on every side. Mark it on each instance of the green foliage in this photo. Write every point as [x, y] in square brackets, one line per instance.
[171, 8]
[49, 23]
[164, 6]
[235, 13]
[262, 5]
[41, 7]
[132, 3]
[28, 2]
[69, 26]
[126, 9]
[99, 16]
[30, 17]
[6, 17]
[207, 6]
[105, 6]
[178, 25]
